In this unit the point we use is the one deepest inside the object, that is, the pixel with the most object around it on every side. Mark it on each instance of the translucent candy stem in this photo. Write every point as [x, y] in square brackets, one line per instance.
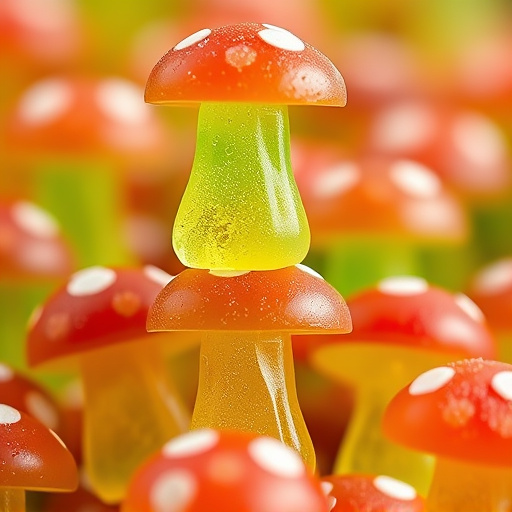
[241, 209]
[247, 382]
[12, 500]
[461, 487]
[131, 410]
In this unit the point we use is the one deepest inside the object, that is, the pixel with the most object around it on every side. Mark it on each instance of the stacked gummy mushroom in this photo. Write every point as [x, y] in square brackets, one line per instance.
[241, 225]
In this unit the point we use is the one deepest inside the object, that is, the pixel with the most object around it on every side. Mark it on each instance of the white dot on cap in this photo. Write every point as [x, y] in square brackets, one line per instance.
[308, 270]
[6, 373]
[192, 443]
[494, 278]
[42, 409]
[194, 38]
[274, 27]
[403, 285]
[337, 180]
[90, 281]
[281, 38]
[469, 307]
[173, 491]
[122, 101]
[394, 488]
[45, 102]
[327, 487]
[415, 179]
[34, 221]
[157, 275]
[276, 458]
[502, 384]
[9, 415]
[431, 380]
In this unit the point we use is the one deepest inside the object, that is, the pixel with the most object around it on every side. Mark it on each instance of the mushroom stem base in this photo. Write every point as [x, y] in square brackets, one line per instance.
[460, 487]
[12, 500]
[247, 383]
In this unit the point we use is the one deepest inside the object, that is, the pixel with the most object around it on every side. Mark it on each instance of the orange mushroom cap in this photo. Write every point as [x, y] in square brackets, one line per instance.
[491, 289]
[246, 62]
[462, 410]
[31, 245]
[224, 470]
[371, 493]
[98, 306]
[291, 299]
[32, 456]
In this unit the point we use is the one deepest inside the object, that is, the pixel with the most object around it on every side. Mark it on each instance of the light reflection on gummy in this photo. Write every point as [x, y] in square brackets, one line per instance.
[241, 209]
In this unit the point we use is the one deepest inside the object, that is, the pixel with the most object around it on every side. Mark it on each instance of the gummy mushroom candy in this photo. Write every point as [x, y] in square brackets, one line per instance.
[33, 458]
[462, 413]
[76, 138]
[241, 209]
[402, 327]
[34, 257]
[224, 470]
[246, 374]
[491, 289]
[131, 407]
[29, 396]
[371, 493]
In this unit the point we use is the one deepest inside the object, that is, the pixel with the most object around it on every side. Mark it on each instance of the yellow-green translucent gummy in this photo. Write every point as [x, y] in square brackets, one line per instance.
[241, 209]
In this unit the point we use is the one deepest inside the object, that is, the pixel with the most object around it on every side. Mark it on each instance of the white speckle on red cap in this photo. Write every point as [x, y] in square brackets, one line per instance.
[415, 179]
[40, 408]
[91, 281]
[173, 491]
[191, 443]
[45, 102]
[431, 380]
[337, 180]
[281, 38]
[6, 373]
[9, 415]
[494, 278]
[469, 307]
[404, 127]
[276, 458]
[394, 488]
[478, 140]
[502, 384]
[228, 273]
[327, 487]
[157, 275]
[403, 285]
[308, 270]
[34, 220]
[122, 101]
[194, 38]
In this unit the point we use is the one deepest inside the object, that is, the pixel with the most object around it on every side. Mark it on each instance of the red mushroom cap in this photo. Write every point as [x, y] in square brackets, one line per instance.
[31, 245]
[292, 299]
[106, 117]
[246, 62]
[32, 456]
[491, 289]
[370, 493]
[28, 396]
[379, 196]
[462, 410]
[224, 470]
[99, 306]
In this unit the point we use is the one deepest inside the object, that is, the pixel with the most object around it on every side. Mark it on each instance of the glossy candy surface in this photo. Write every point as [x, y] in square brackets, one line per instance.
[223, 470]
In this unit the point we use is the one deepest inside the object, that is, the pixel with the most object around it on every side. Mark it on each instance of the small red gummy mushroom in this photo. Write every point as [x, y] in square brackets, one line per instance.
[246, 374]
[491, 289]
[401, 327]
[32, 458]
[130, 406]
[228, 471]
[462, 413]
[370, 493]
